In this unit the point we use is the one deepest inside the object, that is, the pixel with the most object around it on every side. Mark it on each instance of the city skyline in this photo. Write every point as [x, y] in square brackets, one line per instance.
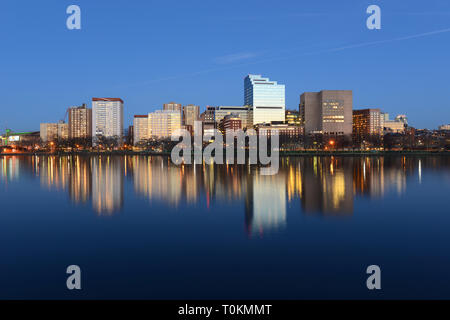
[399, 69]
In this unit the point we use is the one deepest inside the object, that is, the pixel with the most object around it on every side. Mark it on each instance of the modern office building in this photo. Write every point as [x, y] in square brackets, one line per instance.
[107, 118]
[397, 125]
[231, 122]
[241, 111]
[162, 123]
[54, 131]
[327, 112]
[140, 128]
[191, 113]
[292, 117]
[367, 122]
[266, 99]
[80, 122]
[392, 126]
[172, 106]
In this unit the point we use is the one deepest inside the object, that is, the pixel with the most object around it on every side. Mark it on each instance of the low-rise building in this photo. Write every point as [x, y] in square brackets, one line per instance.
[242, 111]
[54, 131]
[231, 122]
[283, 129]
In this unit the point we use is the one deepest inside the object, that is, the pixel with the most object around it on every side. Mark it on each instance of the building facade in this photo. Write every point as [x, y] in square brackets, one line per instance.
[172, 106]
[327, 112]
[54, 131]
[367, 122]
[231, 122]
[191, 113]
[208, 118]
[292, 117]
[80, 122]
[397, 125]
[266, 99]
[162, 123]
[241, 111]
[140, 128]
[284, 130]
[107, 118]
[209, 115]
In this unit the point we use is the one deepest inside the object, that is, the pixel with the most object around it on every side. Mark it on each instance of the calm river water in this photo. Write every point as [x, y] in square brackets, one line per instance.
[142, 228]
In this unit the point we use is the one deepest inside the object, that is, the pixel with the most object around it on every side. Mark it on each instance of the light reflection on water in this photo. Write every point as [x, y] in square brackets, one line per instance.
[141, 227]
[324, 185]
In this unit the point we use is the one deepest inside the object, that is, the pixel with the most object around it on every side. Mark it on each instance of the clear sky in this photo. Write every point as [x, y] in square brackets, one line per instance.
[151, 52]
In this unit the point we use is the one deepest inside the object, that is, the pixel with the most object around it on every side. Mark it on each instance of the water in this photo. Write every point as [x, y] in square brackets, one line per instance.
[142, 228]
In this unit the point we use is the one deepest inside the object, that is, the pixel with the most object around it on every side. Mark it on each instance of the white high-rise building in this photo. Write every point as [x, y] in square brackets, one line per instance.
[107, 118]
[162, 123]
[140, 128]
[266, 99]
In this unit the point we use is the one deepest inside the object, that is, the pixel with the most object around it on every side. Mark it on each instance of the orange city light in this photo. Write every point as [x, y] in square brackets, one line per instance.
[331, 142]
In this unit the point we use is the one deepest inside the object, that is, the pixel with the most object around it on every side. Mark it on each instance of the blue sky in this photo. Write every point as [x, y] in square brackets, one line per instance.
[151, 52]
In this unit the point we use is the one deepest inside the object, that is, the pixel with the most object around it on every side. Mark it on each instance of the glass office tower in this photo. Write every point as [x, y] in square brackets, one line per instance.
[266, 99]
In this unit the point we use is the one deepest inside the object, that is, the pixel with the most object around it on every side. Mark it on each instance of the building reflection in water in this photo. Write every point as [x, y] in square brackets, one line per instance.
[80, 185]
[266, 203]
[9, 168]
[321, 185]
[107, 184]
[155, 178]
[326, 185]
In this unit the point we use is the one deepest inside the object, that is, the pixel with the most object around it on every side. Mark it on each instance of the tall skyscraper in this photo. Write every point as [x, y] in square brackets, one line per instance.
[162, 123]
[328, 112]
[191, 113]
[140, 128]
[367, 122]
[172, 106]
[266, 99]
[80, 122]
[107, 118]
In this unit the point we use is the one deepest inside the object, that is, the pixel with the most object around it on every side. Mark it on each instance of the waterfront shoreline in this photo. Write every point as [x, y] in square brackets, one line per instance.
[282, 154]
